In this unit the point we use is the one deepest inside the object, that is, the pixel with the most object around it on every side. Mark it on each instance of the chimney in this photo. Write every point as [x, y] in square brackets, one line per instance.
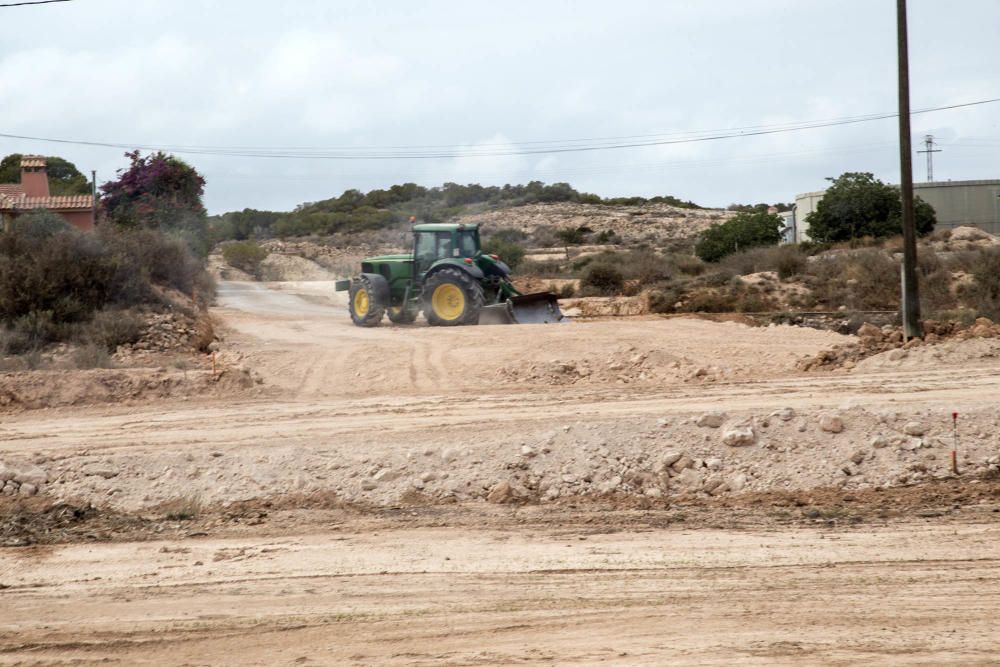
[34, 179]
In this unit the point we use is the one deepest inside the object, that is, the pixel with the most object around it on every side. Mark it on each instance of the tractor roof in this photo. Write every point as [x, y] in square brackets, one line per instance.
[444, 226]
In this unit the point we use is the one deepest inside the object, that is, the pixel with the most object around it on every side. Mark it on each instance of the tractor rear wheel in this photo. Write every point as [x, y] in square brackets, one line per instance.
[401, 314]
[451, 298]
[365, 309]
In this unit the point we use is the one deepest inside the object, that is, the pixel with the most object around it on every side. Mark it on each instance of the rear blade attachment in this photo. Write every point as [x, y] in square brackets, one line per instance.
[537, 308]
[500, 313]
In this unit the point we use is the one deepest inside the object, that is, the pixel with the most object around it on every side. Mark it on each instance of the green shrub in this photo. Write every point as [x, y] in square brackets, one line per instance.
[603, 279]
[573, 236]
[508, 251]
[741, 232]
[245, 256]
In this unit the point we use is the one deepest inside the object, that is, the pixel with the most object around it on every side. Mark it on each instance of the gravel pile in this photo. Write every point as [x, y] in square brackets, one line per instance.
[710, 453]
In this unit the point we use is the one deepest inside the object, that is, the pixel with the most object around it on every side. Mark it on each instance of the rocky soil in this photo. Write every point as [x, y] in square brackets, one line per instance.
[659, 224]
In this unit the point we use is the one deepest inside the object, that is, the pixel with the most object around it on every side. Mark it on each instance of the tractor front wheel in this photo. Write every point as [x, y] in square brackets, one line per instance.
[451, 298]
[365, 309]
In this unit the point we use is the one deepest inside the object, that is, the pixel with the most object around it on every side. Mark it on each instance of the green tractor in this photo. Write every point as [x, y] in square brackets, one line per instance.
[448, 278]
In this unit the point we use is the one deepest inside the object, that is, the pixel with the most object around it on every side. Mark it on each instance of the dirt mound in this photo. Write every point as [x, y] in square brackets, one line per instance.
[50, 389]
[886, 344]
[278, 267]
[605, 306]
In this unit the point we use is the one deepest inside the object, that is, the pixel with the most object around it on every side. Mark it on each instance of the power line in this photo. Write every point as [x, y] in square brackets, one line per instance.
[413, 153]
[31, 2]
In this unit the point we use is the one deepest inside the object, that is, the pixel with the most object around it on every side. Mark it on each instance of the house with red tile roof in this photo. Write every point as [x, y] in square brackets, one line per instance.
[33, 193]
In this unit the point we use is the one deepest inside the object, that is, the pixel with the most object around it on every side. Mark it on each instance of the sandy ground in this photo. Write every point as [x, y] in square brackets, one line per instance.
[344, 406]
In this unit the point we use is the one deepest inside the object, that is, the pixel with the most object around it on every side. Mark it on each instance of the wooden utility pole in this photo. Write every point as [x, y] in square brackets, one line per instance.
[911, 295]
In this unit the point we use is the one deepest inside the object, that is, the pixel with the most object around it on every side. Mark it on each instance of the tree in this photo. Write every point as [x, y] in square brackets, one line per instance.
[743, 231]
[859, 205]
[159, 191]
[64, 177]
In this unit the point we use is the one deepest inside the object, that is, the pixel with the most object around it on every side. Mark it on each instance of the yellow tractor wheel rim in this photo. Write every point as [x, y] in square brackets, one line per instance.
[448, 302]
[361, 302]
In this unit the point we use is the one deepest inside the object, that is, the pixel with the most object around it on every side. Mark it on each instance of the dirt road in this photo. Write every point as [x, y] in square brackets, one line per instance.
[928, 594]
[416, 417]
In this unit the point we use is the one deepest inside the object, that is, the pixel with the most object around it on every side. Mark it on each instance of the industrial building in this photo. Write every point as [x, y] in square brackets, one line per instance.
[956, 203]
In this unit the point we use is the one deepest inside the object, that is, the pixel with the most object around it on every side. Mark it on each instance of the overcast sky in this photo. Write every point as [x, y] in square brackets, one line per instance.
[314, 73]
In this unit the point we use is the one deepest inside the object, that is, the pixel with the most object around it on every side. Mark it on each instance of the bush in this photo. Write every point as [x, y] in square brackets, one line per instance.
[508, 251]
[865, 279]
[603, 279]
[573, 236]
[985, 292]
[54, 278]
[245, 256]
[742, 232]
[91, 356]
[110, 328]
[786, 261]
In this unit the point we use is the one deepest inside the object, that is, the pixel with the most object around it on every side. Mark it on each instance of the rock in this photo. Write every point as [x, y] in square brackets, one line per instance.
[386, 475]
[28, 489]
[652, 492]
[9, 488]
[671, 458]
[368, 485]
[879, 441]
[712, 483]
[713, 464]
[914, 428]
[527, 451]
[786, 414]
[689, 479]
[739, 436]
[870, 331]
[969, 233]
[683, 463]
[503, 493]
[831, 423]
[428, 476]
[737, 482]
[912, 444]
[711, 419]
[858, 457]
[6, 472]
[417, 484]
[849, 469]
[99, 469]
[897, 354]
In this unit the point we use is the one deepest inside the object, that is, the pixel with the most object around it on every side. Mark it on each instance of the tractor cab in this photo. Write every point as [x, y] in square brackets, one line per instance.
[434, 242]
